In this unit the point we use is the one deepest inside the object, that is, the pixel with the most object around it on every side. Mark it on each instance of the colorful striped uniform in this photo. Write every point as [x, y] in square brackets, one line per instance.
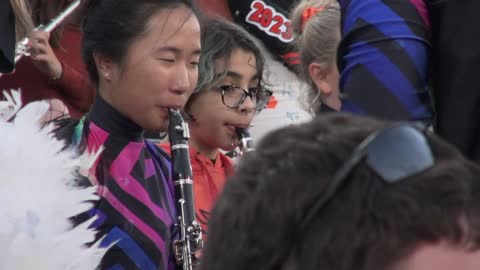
[383, 59]
[136, 209]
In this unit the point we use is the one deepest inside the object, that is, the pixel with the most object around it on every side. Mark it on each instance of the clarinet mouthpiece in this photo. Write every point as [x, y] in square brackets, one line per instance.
[246, 142]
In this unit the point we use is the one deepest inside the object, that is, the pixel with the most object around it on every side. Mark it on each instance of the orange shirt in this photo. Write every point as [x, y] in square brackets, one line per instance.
[208, 181]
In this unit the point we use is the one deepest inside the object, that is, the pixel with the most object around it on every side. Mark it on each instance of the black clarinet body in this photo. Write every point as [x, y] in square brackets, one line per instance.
[190, 231]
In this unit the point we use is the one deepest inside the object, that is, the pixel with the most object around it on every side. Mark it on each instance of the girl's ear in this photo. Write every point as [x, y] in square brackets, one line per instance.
[319, 74]
[105, 67]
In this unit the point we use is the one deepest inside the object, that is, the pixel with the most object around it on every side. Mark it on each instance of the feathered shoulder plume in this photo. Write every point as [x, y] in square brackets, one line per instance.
[38, 195]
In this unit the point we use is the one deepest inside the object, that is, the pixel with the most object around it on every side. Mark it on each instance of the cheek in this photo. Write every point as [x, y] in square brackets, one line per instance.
[151, 87]
[137, 98]
[208, 103]
[209, 117]
[209, 122]
[193, 76]
[148, 74]
[121, 91]
[335, 81]
[250, 118]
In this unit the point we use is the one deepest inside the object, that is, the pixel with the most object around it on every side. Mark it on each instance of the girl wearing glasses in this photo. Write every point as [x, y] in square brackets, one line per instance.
[228, 95]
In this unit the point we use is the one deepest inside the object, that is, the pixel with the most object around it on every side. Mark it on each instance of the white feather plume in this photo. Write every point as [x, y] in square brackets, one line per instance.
[37, 197]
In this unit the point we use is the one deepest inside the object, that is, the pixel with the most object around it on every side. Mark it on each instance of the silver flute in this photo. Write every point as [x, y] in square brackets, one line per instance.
[23, 46]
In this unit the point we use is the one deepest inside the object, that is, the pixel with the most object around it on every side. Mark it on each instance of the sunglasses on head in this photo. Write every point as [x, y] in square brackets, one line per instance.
[394, 153]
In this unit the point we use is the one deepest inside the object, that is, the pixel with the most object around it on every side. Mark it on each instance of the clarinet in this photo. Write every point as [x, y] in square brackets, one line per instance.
[190, 230]
[245, 144]
[246, 141]
[23, 45]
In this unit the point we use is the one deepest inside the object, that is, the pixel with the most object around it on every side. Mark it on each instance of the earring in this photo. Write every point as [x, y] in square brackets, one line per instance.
[107, 75]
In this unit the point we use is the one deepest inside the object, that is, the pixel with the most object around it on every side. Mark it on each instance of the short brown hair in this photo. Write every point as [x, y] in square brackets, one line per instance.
[368, 225]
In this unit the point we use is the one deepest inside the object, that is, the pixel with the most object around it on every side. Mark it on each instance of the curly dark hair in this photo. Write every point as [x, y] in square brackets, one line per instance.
[220, 39]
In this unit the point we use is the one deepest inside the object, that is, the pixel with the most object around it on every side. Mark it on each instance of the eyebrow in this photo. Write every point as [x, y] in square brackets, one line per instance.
[176, 50]
[238, 76]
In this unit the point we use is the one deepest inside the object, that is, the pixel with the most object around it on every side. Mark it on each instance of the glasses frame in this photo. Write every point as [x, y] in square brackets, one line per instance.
[225, 88]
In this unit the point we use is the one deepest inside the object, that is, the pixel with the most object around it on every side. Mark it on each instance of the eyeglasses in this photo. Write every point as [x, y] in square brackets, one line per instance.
[234, 96]
[394, 153]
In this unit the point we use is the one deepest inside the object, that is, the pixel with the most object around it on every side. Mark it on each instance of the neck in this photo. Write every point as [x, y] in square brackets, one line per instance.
[208, 151]
[114, 122]
[333, 102]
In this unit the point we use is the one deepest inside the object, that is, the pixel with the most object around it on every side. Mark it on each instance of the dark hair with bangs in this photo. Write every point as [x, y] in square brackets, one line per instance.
[111, 26]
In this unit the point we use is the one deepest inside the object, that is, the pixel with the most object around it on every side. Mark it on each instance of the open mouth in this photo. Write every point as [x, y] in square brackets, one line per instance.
[172, 106]
[235, 126]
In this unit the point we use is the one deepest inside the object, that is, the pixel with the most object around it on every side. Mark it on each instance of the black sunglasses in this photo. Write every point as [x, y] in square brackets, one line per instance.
[234, 96]
[394, 153]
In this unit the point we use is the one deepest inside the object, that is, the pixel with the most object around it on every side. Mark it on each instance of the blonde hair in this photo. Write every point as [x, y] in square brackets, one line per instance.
[31, 13]
[45, 10]
[23, 18]
[316, 39]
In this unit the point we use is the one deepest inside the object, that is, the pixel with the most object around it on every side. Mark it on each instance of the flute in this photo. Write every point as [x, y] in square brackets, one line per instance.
[23, 46]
